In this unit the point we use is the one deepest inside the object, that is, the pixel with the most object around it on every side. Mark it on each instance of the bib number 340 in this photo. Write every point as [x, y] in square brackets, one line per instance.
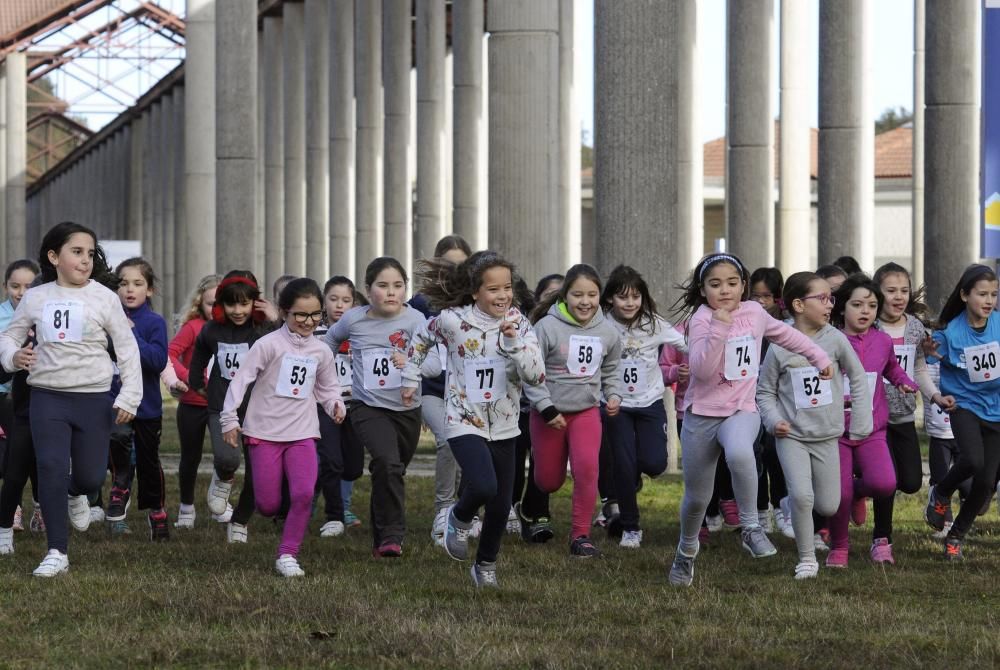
[983, 362]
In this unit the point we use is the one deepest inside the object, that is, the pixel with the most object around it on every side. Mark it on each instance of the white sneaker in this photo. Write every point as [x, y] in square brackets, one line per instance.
[218, 494]
[477, 527]
[440, 524]
[54, 563]
[806, 570]
[513, 523]
[287, 566]
[786, 511]
[631, 539]
[96, 514]
[79, 512]
[236, 532]
[714, 523]
[943, 533]
[226, 516]
[185, 517]
[765, 520]
[332, 529]
[819, 543]
[6, 541]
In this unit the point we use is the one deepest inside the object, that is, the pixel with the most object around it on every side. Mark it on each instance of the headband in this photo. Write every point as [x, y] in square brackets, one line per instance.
[718, 258]
[219, 314]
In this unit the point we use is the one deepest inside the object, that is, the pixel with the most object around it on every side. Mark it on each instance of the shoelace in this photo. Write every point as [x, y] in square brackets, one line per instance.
[462, 533]
[488, 577]
[953, 549]
[940, 508]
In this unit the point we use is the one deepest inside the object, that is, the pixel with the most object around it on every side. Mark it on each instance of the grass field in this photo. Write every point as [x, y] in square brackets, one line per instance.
[199, 602]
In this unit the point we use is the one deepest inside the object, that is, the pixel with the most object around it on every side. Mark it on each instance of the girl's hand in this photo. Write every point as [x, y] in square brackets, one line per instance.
[407, 394]
[826, 373]
[340, 413]
[613, 405]
[123, 417]
[782, 429]
[906, 388]
[399, 359]
[131, 323]
[267, 307]
[683, 373]
[945, 402]
[232, 438]
[508, 329]
[723, 315]
[25, 358]
[559, 423]
[930, 347]
[178, 388]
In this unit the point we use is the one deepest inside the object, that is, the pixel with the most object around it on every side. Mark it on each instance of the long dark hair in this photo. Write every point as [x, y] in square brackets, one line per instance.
[580, 270]
[300, 287]
[915, 305]
[55, 240]
[445, 284]
[796, 288]
[622, 280]
[954, 306]
[843, 296]
[691, 298]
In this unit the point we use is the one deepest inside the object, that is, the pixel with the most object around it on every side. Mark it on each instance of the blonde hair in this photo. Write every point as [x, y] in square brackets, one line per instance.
[193, 310]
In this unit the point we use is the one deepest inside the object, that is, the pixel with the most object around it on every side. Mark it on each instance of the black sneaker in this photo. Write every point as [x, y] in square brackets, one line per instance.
[159, 528]
[938, 509]
[537, 530]
[582, 547]
[953, 549]
[118, 504]
[612, 519]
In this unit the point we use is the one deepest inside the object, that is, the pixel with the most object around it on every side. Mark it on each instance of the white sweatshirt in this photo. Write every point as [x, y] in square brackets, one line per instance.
[639, 374]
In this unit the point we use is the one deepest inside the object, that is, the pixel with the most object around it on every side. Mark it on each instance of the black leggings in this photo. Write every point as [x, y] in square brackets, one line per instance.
[192, 422]
[979, 457]
[341, 457]
[488, 474]
[942, 454]
[20, 468]
[6, 422]
[904, 448]
[771, 486]
[146, 438]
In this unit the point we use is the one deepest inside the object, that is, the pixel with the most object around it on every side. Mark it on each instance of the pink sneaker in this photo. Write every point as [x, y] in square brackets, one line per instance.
[859, 511]
[703, 536]
[882, 551]
[837, 559]
[824, 534]
[730, 513]
[18, 519]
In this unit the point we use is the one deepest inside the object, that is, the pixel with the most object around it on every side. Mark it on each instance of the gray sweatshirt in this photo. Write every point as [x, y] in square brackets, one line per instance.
[574, 355]
[790, 390]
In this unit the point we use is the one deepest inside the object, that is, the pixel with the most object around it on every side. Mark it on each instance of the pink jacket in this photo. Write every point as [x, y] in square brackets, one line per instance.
[877, 355]
[290, 374]
[670, 361]
[709, 392]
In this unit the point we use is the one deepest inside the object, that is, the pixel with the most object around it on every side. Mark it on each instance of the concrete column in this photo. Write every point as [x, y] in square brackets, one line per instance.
[635, 105]
[467, 54]
[165, 258]
[17, 154]
[177, 259]
[524, 165]
[274, 151]
[690, 168]
[919, 26]
[749, 131]
[431, 139]
[569, 137]
[796, 247]
[368, 90]
[199, 142]
[294, 115]
[259, 189]
[151, 178]
[3, 160]
[342, 236]
[133, 224]
[841, 125]
[396, 64]
[866, 254]
[317, 149]
[236, 131]
[951, 162]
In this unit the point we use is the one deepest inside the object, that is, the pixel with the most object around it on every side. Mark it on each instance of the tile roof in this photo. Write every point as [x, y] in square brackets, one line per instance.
[17, 14]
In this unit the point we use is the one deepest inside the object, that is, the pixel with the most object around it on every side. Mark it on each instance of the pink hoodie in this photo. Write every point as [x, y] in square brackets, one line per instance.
[877, 355]
[709, 392]
[671, 359]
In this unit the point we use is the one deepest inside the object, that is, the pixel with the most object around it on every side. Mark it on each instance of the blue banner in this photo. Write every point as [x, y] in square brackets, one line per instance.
[991, 130]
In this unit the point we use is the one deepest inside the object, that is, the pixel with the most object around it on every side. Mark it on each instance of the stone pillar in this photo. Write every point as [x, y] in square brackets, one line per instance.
[317, 150]
[569, 137]
[17, 154]
[169, 154]
[3, 160]
[951, 162]
[342, 183]
[841, 125]
[467, 55]
[368, 91]
[431, 222]
[635, 105]
[151, 180]
[133, 224]
[236, 132]
[690, 160]
[199, 142]
[919, 68]
[749, 131]
[274, 151]
[294, 75]
[796, 247]
[259, 222]
[176, 256]
[524, 165]
[396, 63]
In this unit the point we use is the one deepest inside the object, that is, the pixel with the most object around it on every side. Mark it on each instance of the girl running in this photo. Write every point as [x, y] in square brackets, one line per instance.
[942, 450]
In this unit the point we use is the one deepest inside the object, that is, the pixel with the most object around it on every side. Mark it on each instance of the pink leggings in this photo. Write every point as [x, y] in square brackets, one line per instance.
[580, 443]
[870, 460]
[296, 462]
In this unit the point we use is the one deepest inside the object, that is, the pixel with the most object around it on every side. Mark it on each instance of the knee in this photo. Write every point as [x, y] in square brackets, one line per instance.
[267, 507]
[228, 460]
[911, 483]
[884, 486]
[972, 462]
[549, 481]
[653, 464]
[481, 490]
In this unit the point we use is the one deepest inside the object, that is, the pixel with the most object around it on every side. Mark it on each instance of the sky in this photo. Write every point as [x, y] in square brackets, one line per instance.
[892, 60]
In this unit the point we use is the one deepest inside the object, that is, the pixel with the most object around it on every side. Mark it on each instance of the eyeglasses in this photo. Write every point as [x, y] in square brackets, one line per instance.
[824, 298]
[762, 296]
[302, 317]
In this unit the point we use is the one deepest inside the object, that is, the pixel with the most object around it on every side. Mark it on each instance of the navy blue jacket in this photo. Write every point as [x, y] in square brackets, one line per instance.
[430, 385]
[150, 332]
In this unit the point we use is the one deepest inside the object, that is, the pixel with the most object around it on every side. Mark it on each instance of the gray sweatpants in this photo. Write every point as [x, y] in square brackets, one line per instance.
[812, 474]
[446, 471]
[703, 439]
[226, 459]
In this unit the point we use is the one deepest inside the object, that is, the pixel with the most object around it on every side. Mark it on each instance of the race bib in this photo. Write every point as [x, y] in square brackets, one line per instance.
[938, 419]
[380, 373]
[741, 358]
[297, 377]
[584, 355]
[485, 379]
[872, 378]
[229, 358]
[343, 364]
[62, 321]
[632, 373]
[981, 362]
[810, 391]
[906, 357]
